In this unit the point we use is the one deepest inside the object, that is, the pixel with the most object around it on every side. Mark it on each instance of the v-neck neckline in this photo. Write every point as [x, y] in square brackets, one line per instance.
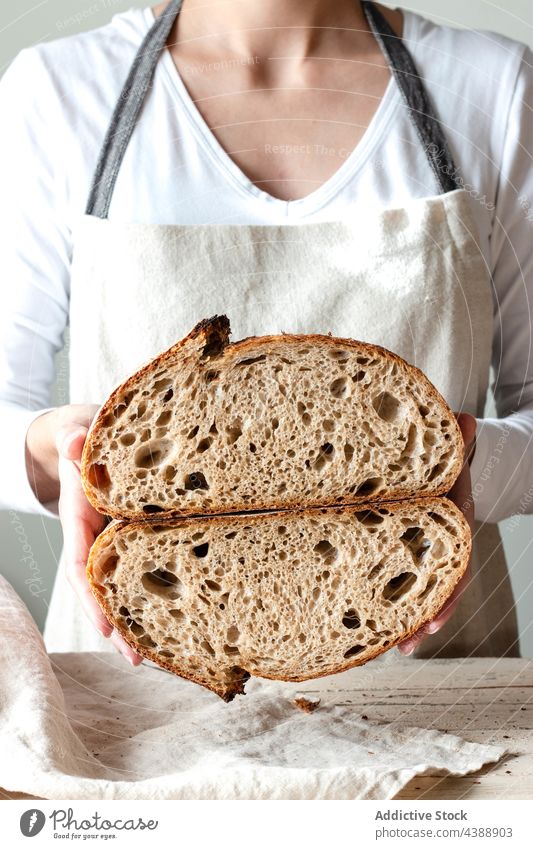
[311, 202]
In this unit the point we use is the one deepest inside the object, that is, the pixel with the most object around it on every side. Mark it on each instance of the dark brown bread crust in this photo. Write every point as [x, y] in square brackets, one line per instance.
[210, 337]
[237, 688]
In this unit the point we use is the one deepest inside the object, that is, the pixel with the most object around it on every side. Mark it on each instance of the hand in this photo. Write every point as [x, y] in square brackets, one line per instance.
[461, 495]
[57, 440]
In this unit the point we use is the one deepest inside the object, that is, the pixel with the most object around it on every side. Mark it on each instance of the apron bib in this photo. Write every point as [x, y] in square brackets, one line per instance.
[411, 279]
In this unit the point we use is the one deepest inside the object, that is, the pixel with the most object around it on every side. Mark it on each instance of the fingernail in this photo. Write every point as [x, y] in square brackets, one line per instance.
[431, 628]
[407, 649]
[106, 633]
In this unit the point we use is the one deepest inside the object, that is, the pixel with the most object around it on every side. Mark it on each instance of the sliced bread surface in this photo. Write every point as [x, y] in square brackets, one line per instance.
[268, 422]
[288, 595]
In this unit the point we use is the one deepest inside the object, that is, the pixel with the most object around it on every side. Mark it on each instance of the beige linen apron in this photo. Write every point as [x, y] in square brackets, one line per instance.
[411, 279]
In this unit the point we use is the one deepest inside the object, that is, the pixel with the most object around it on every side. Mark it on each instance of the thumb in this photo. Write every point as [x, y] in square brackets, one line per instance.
[70, 441]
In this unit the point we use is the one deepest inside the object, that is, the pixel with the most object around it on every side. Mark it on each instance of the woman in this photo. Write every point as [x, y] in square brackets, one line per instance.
[305, 167]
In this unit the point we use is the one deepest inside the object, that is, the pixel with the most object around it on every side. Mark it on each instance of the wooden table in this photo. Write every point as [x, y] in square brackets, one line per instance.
[487, 700]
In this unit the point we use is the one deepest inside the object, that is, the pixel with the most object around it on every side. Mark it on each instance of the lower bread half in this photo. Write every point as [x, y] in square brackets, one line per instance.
[288, 595]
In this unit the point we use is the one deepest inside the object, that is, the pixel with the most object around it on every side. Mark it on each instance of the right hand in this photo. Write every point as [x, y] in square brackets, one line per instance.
[56, 439]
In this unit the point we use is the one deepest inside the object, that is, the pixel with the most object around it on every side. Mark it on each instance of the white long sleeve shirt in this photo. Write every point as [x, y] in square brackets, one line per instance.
[56, 100]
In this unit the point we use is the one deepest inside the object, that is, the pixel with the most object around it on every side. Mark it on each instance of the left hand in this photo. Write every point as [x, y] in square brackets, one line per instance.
[461, 495]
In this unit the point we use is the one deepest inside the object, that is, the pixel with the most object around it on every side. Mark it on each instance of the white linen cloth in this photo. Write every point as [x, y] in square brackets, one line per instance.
[87, 726]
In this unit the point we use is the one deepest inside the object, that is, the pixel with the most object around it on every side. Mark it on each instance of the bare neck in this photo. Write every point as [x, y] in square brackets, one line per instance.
[264, 27]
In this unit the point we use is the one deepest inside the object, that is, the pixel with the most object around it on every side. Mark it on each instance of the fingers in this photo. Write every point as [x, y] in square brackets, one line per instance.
[410, 644]
[468, 426]
[129, 653]
[78, 536]
[70, 442]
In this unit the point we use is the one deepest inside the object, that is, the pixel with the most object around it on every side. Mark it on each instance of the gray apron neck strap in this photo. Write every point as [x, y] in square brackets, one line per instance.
[415, 95]
[141, 74]
[127, 111]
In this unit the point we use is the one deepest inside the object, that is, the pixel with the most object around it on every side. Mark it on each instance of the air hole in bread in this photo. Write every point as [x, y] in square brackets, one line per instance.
[359, 376]
[348, 452]
[435, 471]
[207, 647]
[163, 383]
[415, 540]
[165, 653]
[368, 517]
[195, 480]
[213, 585]
[146, 641]
[201, 550]
[398, 586]
[233, 634]
[302, 412]
[123, 610]
[128, 439]
[99, 476]
[107, 566]
[234, 431]
[427, 589]
[204, 444]
[327, 552]
[192, 433]
[152, 454]
[152, 508]
[328, 425]
[169, 473]
[135, 628]
[339, 387]
[168, 395]
[438, 549]
[211, 375]
[340, 356]
[387, 406]
[411, 443]
[371, 623]
[354, 650]
[162, 583]
[440, 520]
[351, 619]
[163, 419]
[369, 486]
[251, 360]
[325, 456]
[178, 615]
[430, 438]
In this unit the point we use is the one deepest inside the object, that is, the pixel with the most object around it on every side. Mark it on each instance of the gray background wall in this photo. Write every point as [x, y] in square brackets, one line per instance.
[29, 546]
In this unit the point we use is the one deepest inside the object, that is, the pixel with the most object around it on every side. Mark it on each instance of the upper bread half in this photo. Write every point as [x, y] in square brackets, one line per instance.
[268, 422]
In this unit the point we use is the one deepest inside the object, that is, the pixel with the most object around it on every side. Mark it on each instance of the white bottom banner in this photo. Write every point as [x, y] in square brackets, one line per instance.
[307, 824]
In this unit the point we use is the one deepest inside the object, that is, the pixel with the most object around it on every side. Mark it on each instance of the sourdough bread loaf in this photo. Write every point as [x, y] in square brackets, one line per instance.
[296, 482]
[289, 595]
[266, 423]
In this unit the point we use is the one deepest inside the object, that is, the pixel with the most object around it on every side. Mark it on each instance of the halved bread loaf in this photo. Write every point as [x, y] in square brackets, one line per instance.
[267, 423]
[289, 595]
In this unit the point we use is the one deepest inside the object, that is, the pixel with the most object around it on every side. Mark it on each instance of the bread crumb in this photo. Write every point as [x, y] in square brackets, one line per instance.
[307, 705]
